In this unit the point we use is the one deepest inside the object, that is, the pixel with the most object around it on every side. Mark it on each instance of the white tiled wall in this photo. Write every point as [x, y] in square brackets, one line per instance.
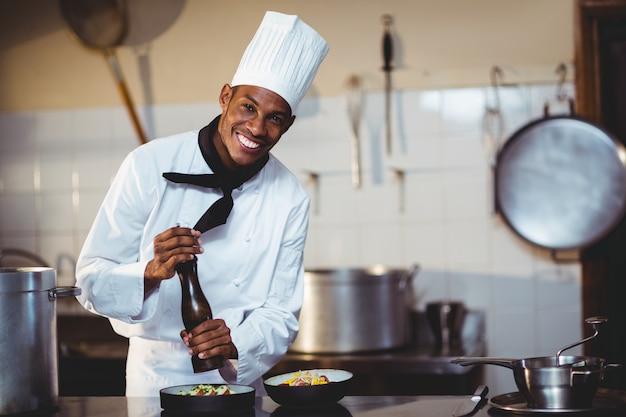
[55, 167]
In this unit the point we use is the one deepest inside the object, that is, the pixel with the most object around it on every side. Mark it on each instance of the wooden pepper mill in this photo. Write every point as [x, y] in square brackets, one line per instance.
[195, 309]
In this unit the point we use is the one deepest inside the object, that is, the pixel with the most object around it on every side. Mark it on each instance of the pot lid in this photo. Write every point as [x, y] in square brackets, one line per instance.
[560, 183]
[26, 279]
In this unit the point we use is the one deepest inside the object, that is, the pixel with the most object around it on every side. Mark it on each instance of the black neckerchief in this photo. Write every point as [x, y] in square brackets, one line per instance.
[221, 178]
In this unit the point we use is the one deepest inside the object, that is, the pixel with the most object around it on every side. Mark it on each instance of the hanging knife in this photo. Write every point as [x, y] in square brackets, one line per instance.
[470, 405]
[387, 67]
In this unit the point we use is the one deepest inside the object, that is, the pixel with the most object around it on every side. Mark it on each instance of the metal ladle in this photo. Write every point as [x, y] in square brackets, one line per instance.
[102, 25]
[595, 323]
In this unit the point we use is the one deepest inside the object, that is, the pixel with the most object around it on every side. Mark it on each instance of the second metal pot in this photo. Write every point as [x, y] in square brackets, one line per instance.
[351, 310]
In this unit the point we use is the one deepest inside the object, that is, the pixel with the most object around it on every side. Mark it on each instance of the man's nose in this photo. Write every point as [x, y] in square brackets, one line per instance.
[257, 126]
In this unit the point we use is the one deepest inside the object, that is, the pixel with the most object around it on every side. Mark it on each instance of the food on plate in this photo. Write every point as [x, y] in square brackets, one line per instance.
[208, 389]
[306, 378]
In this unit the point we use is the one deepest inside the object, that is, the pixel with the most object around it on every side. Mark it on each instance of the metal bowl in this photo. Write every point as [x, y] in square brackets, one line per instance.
[310, 395]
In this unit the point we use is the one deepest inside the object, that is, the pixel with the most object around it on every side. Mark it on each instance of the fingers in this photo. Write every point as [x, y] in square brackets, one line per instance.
[174, 245]
[208, 339]
[177, 241]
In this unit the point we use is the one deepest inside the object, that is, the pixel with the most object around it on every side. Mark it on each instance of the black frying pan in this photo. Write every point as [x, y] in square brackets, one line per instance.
[560, 182]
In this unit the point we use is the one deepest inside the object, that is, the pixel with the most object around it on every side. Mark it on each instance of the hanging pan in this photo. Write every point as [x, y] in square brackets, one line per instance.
[560, 182]
[102, 25]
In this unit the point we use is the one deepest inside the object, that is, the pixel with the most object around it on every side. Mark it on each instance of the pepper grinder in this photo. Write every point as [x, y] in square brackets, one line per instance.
[195, 309]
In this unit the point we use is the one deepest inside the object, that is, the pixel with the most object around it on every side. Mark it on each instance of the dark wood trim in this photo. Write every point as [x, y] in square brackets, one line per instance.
[588, 14]
[603, 268]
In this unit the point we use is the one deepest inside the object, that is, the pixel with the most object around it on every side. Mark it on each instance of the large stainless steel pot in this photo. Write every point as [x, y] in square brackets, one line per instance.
[28, 339]
[350, 310]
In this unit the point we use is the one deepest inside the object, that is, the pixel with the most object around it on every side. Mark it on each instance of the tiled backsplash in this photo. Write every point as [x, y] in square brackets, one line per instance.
[56, 166]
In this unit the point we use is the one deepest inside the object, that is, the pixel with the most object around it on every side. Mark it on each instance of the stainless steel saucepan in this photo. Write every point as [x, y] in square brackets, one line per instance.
[571, 385]
[554, 382]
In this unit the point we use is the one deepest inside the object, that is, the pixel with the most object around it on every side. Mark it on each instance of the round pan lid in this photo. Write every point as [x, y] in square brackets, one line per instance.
[560, 183]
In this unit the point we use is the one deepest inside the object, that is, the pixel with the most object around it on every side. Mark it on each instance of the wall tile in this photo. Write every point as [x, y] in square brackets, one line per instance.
[55, 166]
[16, 132]
[462, 109]
[513, 330]
[57, 212]
[93, 168]
[466, 243]
[18, 171]
[425, 244]
[19, 213]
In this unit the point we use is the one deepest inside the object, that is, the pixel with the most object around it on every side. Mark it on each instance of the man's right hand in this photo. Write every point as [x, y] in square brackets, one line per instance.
[175, 245]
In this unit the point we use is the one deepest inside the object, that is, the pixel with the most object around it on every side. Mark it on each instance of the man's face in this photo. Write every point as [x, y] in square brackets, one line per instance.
[253, 120]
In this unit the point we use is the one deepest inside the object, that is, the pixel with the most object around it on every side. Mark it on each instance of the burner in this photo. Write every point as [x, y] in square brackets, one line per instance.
[515, 403]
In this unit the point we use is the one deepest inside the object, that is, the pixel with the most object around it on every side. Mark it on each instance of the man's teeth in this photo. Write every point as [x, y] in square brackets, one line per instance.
[247, 142]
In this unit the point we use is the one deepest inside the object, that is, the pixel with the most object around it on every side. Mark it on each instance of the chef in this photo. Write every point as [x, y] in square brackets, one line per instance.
[218, 194]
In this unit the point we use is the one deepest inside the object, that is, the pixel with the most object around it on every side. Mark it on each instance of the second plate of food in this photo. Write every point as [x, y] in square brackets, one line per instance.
[312, 387]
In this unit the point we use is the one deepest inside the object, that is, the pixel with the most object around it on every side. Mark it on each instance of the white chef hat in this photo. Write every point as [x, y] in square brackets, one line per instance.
[283, 57]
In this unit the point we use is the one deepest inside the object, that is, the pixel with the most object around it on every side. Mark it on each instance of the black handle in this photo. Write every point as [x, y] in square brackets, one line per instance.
[387, 44]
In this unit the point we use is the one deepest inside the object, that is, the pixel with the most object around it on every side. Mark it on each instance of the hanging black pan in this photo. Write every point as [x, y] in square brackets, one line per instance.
[560, 182]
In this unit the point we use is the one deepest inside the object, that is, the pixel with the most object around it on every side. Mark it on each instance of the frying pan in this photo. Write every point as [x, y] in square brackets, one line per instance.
[102, 25]
[560, 182]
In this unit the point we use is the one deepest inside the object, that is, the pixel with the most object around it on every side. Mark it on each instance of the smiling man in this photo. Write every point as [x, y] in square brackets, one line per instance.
[250, 217]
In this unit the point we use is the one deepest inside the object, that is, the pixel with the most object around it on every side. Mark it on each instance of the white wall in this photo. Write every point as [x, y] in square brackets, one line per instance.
[56, 165]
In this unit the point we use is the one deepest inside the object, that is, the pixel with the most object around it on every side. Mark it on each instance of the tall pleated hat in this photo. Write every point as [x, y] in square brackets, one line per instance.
[283, 56]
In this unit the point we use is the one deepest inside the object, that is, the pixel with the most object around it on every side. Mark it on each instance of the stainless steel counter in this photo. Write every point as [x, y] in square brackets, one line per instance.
[351, 406]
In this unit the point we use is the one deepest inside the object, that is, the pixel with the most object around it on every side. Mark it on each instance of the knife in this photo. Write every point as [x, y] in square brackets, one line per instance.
[470, 405]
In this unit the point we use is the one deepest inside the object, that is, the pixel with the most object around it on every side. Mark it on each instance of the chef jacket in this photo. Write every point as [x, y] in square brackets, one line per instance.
[251, 270]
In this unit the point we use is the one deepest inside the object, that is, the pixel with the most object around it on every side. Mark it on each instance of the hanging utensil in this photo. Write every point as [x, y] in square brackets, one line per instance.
[387, 67]
[493, 131]
[102, 25]
[355, 100]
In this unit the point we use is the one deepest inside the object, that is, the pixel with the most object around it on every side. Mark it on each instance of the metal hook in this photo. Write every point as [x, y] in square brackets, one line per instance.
[387, 21]
[561, 70]
[496, 73]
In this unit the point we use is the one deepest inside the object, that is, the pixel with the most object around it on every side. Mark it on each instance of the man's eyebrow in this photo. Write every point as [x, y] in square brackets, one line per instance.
[276, 112]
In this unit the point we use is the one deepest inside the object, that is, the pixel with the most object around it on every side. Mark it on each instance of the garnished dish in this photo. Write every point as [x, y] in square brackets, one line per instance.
[207, 389]
[305, 379]
[206, 398]
[308, 388]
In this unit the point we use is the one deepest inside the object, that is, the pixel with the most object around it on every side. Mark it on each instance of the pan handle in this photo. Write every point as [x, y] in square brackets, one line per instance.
[479, 360]
[606, 367]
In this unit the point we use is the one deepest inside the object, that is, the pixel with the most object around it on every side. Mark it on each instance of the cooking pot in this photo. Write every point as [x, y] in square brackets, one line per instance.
[560, 182]
[351, 310]
[28, 339]
[545, 385]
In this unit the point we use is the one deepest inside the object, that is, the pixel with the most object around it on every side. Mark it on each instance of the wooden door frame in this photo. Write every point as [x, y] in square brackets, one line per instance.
[589, 14]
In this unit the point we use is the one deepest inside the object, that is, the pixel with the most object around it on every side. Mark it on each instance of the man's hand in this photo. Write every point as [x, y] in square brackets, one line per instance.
[175, 245]
[210, 338]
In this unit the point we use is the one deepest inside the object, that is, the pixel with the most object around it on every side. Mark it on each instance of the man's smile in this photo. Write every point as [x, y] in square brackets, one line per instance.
[247, 142]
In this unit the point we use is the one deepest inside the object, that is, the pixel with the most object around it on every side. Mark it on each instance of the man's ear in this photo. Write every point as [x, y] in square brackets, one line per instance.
[225, 96]
[289, 123]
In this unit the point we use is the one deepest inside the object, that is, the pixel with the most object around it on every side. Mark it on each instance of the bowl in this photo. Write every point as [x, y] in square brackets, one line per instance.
[240, 399]
[309, 395]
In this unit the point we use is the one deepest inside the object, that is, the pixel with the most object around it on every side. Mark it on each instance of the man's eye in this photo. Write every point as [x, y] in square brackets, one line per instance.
[248, 107]
[277, 119]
